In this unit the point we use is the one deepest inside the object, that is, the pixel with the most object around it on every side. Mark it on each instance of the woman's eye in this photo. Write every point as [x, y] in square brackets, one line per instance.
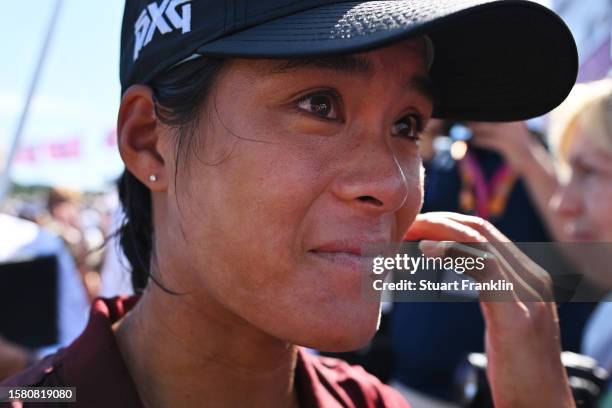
[320, 104]
[589, 172]
[408, 127]
[583, 171]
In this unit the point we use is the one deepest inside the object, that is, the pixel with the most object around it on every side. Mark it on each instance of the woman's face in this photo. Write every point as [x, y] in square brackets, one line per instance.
[299, 167]
[585, 202]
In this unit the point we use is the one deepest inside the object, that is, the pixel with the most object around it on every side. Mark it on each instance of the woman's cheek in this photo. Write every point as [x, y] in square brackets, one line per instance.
[414, 174]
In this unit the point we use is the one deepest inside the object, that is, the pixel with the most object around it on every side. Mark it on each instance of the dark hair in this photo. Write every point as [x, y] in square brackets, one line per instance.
[179, 95]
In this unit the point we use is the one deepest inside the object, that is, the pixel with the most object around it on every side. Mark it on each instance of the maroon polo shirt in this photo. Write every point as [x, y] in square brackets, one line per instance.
[93, 364]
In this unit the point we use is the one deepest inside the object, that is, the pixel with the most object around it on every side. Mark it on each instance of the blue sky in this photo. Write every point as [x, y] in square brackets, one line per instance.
[78, 92]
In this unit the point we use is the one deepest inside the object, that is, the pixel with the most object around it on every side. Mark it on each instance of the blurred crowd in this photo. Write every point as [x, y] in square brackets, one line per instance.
[55, 244]
[546, 181]
[82, 223]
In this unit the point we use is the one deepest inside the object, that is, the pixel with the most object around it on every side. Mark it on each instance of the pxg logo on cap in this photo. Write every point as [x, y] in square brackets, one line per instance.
[160, 18]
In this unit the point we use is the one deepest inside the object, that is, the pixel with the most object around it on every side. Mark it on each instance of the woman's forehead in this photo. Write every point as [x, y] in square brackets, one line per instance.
[584, 147]
[408, 57]
[418, 49]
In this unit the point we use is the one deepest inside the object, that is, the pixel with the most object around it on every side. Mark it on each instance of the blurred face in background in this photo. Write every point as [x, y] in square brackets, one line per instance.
[585, 201]
[66, 212]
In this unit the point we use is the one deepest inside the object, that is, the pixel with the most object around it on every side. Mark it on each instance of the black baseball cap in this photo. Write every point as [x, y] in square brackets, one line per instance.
[499, 60]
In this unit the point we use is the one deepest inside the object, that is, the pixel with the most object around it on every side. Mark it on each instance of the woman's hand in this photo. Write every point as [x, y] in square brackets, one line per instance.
[512, 140]
[529, 158]
[522, 333]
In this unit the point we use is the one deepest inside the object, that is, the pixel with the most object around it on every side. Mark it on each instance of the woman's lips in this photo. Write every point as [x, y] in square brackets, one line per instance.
[579, 234]
[582, 236]
[342, 259]
[356, 255]
[353, 246]
[347, 255]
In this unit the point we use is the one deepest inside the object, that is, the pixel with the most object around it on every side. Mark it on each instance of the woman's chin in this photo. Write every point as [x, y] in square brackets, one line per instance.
[327, 323]
[341, 345]
[340, 337]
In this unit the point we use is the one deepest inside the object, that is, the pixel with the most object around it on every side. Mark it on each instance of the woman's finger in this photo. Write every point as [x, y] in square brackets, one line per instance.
[432, 226]
[500, 282]
[527, 270]
[507, 263]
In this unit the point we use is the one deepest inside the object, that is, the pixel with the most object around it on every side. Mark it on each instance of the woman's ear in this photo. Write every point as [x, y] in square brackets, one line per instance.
[138, 133]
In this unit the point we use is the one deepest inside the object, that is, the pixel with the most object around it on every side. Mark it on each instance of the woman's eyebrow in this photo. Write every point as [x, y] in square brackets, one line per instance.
[422, 84]
[352, 64]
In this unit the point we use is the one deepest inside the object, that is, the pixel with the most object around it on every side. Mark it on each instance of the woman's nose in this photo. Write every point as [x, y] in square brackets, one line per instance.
[374, 180]
[567, 201]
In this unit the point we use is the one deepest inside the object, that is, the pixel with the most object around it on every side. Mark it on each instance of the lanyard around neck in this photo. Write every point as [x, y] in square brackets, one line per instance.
[486, 199]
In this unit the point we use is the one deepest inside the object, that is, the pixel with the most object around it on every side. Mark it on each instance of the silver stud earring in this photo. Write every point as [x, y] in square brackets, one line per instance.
[152, 177]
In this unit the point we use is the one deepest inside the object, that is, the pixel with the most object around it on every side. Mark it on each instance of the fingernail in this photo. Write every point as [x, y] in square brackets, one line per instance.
[431, 248]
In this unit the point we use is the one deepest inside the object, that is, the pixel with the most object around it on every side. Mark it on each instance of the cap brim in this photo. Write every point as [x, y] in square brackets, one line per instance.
[494, 60]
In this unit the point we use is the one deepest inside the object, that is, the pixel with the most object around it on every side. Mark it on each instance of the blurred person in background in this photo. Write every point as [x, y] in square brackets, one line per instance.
[22, 240]
[79, 229]
[581, 132]
[501, 172]
[115, 274]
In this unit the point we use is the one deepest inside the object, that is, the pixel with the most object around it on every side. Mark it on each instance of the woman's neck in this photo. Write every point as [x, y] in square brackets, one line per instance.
[182, 352]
